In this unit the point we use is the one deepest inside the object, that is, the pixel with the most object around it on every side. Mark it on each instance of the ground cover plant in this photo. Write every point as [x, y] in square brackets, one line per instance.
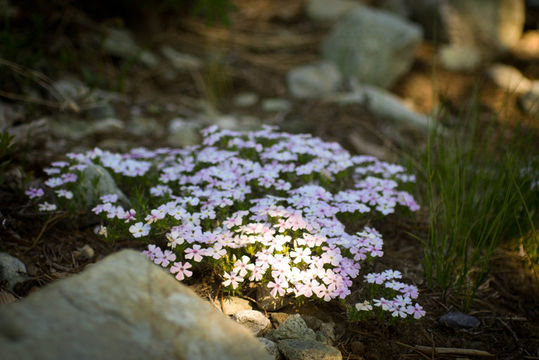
[260, 206]
[481, 194]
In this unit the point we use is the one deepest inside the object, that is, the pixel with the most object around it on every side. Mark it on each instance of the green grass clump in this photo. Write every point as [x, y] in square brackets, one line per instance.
[481, 191]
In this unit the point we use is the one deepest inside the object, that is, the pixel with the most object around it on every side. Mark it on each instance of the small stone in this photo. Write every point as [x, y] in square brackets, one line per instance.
[357, 347]
[254, 320]
[294, 327]
[228, 122]
[72, 89]
[84, 253]
[276, 105]
[460, 58]
[180, 61]
[12, 270]
[313, 80]
[142, 126]
[108, 125]
[233, 304]
[98, 182]
[183, 133]
[457, 320]
[267, 302]
[245, 99]
[271, 347]
[294, 349]
[509, 78]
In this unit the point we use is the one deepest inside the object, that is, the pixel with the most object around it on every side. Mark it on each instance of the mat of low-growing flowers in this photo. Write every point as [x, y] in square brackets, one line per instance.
[262, 206]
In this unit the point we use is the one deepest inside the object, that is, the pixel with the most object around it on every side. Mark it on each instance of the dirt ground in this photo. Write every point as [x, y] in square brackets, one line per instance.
[256, 51]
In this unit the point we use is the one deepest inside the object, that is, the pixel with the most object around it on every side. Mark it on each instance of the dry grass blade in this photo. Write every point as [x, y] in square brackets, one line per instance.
[453, 351]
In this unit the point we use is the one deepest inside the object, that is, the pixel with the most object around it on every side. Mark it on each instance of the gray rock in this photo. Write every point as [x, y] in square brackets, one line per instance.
[458, 320]
[12, 270]
[183, 133]
[329, 10]
[294, 327]
[509, 79]
[276, 105]
[245, 99]
[373, 46]
[120, 43]
[313, 80]
[104, 126]
[123, 307]
[233, 304]
[267, 302]
[98, 182]
[229, 122]
[253, 320]
[384, 104]
[181, 61]
[71, 88]
[294, 349]
[76, 129]
[271, 348]
[460, 58]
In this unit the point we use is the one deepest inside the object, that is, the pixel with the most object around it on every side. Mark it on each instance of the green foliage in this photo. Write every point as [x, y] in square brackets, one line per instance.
[480, 192]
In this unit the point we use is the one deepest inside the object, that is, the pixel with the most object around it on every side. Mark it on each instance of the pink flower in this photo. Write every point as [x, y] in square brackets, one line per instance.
[180, 269]
[194, 253]
[164, 258]
[276, 288]
[232, 279]
[34, 192]
[416, 310]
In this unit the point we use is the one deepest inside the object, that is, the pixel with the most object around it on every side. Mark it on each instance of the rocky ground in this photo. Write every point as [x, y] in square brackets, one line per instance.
[278, 63]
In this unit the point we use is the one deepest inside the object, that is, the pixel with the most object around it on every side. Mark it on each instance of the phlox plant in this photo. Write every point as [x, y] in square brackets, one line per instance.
[264, 207]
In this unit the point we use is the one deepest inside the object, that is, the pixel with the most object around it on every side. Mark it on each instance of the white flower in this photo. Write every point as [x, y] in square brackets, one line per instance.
[139, 229]
[364, 306]
[46, 207]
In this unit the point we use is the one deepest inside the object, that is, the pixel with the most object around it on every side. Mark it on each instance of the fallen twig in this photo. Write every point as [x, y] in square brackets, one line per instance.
[413, 349]
[455, 351]
[50, 222]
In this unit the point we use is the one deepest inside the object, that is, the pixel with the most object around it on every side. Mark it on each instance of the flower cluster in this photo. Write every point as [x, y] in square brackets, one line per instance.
[262, 206]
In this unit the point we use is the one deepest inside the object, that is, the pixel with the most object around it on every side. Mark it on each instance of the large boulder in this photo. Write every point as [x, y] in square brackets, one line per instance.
[373, 46]
[123, 307]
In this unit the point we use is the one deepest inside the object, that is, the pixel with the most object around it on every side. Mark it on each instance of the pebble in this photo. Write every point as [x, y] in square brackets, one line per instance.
[294, 327]
[458, 320]
[12, 270]
[254, 320]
